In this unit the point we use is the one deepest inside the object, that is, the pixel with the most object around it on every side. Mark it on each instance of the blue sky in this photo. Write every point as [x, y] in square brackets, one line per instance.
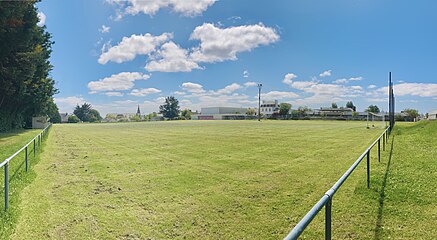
[116, 54]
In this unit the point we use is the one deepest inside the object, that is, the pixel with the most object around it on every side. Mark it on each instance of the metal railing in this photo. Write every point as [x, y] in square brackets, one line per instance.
[326, 200]
[36, 141]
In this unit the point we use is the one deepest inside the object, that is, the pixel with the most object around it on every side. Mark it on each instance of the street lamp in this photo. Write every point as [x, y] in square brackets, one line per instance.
[259, 101]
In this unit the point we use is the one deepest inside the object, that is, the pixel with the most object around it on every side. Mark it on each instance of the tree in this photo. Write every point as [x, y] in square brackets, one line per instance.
[170, 109]
[135, 118]
[373, 109]
[250, 112]
[351, 105]
[284, 108]
[94, 116]
[186, 114]
[302, 109]
[73, 119]
[412, 113]
[53, 112]
[26, 90]
[334, 105]
[111, 116]
[86, 113]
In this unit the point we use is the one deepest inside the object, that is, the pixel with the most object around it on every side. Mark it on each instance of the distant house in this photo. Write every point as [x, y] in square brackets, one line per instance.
[268, 108]
[64, 117]
[432, 115]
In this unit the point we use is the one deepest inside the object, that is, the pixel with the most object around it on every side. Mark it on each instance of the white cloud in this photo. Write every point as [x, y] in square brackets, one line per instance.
[346, 80]
[151, 7]
[104, 29]
[179, 93]
[117, 82]
[192, 87]
[144, 91]
[229, 89]
[356, 78]
[301, 85]
[358, 88]
[250, 84]
[413, 89]
[326, 73]
[130, 47]
[220, 44]
[114, 94]
[41, 19]
[274, 95]
[371, 86]
[171, 58]
[288, 79]
[245, 74]
[67, 104]
[341, 81]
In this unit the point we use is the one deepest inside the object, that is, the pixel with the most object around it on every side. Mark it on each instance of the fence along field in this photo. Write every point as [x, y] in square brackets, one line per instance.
[197, 180]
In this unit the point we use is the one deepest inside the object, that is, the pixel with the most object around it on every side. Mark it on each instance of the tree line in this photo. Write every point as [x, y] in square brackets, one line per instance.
[26, 89]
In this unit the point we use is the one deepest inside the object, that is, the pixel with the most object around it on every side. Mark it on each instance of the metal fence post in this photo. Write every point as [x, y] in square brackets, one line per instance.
[6, 186]
[328, 218]
[34, 147]
[379, 150]
[368, 169]
[27, 160]
[383, 141]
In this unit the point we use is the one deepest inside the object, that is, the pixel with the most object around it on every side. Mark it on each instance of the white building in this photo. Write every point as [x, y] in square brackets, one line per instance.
[432, 115]
[268, 108]
[222, 113]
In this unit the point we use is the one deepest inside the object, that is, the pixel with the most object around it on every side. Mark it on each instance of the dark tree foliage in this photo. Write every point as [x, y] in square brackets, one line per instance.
[86, 113]
[170, 109]
[373, 109]
[351, 105]
[73, 119]
[26, 90]
[334, 105]
[53, 112]
[284, 108]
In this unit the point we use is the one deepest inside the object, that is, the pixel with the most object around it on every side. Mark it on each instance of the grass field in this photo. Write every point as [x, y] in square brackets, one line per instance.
[215, 180]
[10, 142]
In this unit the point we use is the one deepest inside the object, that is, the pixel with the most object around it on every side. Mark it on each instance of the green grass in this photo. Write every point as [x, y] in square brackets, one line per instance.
[409, 206]
[212, 180]
[10, 142]
[223, 180]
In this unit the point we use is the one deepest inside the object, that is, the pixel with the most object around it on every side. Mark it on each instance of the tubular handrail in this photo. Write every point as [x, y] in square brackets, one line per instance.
[326, 199]
[5, 163]
[24, 147]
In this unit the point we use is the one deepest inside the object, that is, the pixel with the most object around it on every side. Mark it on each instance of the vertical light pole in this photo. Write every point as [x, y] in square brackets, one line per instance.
[259, 101]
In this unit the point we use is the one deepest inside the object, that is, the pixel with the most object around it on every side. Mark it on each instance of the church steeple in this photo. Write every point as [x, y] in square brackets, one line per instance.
[138, 111]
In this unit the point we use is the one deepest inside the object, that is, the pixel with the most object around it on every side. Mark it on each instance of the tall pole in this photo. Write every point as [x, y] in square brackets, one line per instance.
[389, 99]
[259, 101]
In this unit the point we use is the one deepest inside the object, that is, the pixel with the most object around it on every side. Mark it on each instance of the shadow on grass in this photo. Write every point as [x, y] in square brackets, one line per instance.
[378, 228]
[11, 133]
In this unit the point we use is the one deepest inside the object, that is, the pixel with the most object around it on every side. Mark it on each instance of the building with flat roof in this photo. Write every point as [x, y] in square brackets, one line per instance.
[222, 113]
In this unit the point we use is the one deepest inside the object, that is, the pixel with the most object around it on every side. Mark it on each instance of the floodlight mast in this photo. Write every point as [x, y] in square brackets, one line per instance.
[259, 101]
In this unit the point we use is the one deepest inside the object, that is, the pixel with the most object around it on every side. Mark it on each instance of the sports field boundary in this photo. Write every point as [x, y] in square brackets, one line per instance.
[36, 141]
[326, 200]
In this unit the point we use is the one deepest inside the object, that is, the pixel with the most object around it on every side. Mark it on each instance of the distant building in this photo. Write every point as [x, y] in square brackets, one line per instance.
[39, 122]
[268, 108]
[138, 111]
[336, 112]
[222, 113]
[432, 115]
[64, 117]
